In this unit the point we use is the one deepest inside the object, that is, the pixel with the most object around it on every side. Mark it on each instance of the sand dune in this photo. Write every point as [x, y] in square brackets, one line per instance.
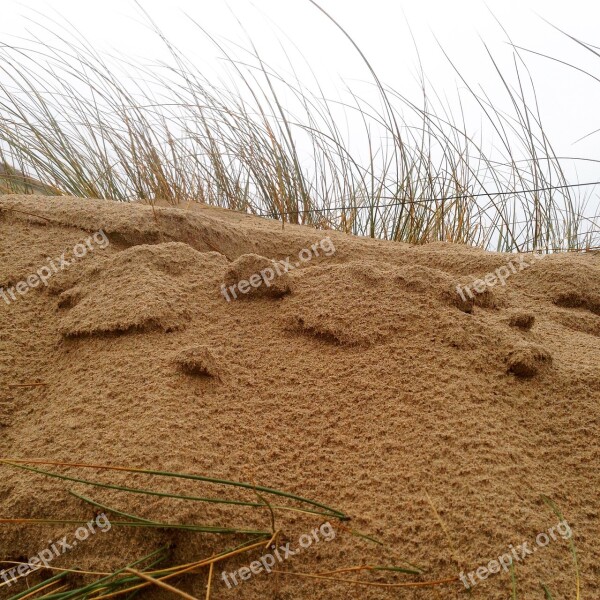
[361, 377]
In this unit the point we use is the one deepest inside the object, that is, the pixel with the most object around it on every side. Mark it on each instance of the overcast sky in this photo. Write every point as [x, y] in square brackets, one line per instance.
[382, 28]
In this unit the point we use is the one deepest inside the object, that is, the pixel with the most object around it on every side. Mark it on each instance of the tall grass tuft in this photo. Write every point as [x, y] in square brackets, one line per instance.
[74, 122]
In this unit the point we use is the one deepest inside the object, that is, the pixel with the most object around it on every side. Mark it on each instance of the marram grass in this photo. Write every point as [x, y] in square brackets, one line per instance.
[304, 502]
[135, 576]
[152, 570]
[75, 122]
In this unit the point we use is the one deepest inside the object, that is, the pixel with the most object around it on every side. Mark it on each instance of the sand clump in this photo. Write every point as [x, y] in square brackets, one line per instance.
[197, 360]
[362, 380]
[521, 319]
[142, 288]
[578, 300]
[527, 360]
[254, 276]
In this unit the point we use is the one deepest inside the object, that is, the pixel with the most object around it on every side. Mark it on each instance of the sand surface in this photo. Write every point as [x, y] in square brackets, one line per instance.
[362, 380]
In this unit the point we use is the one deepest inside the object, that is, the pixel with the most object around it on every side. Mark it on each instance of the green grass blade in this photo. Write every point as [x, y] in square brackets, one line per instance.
[547, 594]
[333, 512]
[185, 497]
[39, 585]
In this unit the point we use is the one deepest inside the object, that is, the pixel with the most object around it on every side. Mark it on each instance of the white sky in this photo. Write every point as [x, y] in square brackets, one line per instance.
[569, 100]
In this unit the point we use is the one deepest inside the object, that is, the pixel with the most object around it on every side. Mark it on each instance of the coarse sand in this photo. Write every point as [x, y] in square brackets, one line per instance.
[361, 379]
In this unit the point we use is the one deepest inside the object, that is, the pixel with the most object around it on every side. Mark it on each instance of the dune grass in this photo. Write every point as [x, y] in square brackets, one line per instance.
[306, 505]
[158, 568]
[75, 122]
[131, 579]
[151, 570]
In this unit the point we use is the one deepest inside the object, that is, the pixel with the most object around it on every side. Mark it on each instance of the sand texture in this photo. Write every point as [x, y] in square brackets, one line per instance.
[360, 379]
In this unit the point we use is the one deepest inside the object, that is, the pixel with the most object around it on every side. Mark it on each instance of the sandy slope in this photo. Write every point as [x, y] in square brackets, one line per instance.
[365, 382]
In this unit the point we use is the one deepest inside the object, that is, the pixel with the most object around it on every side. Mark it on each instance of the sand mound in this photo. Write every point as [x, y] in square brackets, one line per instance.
[433, 393]
[578, 299]
[341, 304]
[527, 359]
[141, 288]
[521, 319]
[197, 360]
[252, 276]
